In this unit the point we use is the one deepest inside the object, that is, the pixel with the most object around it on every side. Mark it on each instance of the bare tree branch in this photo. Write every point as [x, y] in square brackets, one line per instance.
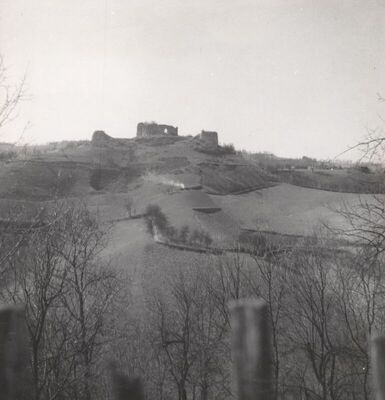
[10, 96]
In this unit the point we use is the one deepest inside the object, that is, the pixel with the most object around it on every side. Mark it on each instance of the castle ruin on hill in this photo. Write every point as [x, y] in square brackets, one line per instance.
[148, 129]
[209, 138]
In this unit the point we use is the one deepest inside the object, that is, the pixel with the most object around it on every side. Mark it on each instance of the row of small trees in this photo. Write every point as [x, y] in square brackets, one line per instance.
[157, 222]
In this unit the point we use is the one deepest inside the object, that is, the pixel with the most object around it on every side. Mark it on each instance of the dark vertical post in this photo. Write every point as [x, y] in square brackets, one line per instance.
[125, 388]
[15, 377]
[252, 350]
[378, 366]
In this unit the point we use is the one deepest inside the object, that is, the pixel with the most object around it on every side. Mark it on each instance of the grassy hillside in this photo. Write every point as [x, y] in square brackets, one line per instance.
[217, 193]
[227, 178]
[344, 180]
[118, 166]
[286, 208]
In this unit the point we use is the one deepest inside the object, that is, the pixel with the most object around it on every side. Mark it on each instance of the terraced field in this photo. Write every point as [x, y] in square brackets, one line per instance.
[286, 208]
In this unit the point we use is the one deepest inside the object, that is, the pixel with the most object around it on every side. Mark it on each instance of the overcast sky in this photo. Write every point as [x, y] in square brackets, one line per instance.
[293, 77]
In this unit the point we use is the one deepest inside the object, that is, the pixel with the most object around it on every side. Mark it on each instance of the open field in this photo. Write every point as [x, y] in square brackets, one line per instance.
[344, 180]
[286, 208]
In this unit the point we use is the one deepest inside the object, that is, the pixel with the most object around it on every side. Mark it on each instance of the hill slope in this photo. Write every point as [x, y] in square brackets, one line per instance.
[118, 166]
[222, 194]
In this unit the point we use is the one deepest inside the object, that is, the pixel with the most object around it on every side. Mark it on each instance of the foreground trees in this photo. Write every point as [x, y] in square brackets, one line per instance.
[324, 304]
[191, 334]
[67, 294]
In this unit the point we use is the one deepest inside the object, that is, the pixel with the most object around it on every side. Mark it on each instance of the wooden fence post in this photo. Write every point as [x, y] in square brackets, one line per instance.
[378, 366]
[15, 375]
[252, 350]
[125, 388]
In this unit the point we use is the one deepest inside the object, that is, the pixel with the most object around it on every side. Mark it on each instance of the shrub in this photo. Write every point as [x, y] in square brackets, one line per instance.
[256, 242]
[200, 238]
[207, 239]
[171, 233]
[184, 234]
[228, 148]
[8, 155]
[195, 237]
[364, 169]
[155, 217]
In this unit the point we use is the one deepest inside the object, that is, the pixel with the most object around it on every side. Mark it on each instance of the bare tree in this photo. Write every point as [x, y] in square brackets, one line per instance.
[90, 289]
[38, 280]
[67, 292]
[10, 96]
[364, 223]
[372, 146]
[360, 281]
[190, 333]
[325, 361]
[228, 282]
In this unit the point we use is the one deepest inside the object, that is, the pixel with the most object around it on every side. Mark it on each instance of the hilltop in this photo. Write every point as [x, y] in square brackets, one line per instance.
[120, 165]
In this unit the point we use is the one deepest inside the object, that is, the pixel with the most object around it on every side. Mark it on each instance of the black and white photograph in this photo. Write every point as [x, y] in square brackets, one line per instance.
[192, 199]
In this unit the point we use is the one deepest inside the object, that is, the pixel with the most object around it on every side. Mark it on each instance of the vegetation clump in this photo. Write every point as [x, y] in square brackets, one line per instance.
[7, 155]
[228, 148]
[156, 219]
[157, 223]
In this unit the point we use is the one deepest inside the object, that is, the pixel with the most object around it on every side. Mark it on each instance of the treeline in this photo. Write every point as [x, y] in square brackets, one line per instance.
[273, 163]
[9, 151]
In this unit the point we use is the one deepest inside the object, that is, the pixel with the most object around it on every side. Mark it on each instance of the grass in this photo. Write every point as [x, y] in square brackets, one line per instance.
[285, 208]
[347, 180]
[227, 178]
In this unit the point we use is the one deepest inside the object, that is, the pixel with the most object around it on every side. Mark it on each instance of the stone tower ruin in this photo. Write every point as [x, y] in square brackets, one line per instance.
[209, 138]
[148, 129]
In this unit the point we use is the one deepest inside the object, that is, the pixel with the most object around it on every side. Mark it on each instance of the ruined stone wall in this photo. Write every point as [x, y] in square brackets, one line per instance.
[152, 129]
[209, 138]
[100, 138]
